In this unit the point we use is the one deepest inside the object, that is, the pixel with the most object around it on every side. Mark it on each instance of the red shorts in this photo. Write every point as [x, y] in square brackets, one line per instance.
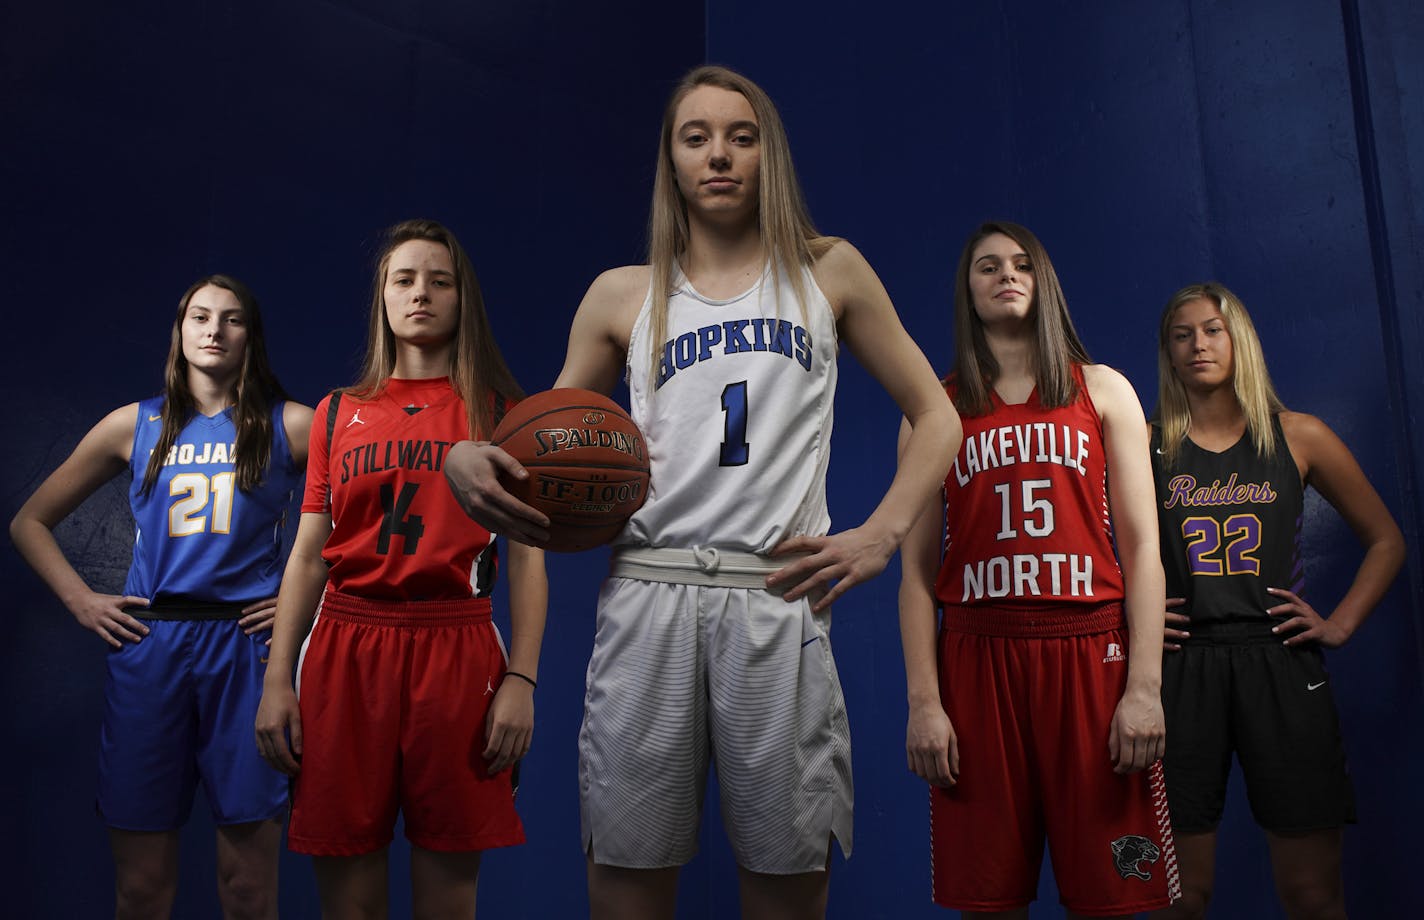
[393, 701]
[1031, 708]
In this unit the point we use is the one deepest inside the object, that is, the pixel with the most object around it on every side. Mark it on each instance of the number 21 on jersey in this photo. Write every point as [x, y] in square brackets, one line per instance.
[190, 514]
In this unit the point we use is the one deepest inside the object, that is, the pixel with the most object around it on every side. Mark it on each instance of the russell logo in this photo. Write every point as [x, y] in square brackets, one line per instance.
[1114, 653]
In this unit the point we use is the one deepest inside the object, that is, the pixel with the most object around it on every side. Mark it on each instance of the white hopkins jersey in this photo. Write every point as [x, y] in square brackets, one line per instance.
[737, 421]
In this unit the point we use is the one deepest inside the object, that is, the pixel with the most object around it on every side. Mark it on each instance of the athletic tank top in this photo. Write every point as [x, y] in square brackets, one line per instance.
[1026, 512]
[199, 537]
[1230, 527]
[738, 419]
[397, 531]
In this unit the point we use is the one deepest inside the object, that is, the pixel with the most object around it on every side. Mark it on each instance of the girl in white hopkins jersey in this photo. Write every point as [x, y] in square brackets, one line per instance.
[713, 627]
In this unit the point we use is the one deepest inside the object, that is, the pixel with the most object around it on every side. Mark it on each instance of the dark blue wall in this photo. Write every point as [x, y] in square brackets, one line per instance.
[145, 146]
[1273, 148]
[1149, 145]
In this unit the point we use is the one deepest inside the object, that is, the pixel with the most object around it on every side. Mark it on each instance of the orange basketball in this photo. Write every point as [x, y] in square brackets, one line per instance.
[587, 463]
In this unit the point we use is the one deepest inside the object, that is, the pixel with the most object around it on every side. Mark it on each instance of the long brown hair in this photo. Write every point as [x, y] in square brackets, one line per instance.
[789, 238]
[1250, 380]
[1056, 344]
[253, 396]
[477, 368]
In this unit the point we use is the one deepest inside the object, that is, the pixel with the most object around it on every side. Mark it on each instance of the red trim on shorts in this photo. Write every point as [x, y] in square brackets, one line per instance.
[1157, 780]
[349, 608]
[1033, 622]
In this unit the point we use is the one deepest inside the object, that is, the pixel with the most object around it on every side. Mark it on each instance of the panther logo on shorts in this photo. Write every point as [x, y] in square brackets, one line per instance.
[1130, 851]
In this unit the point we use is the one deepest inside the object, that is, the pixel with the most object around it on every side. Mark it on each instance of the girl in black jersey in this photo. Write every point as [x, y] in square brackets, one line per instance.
[1243, 670]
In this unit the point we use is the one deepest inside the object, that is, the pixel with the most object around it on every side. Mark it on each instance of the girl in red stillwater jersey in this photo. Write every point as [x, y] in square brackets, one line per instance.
[1037, 717]
[406, 699]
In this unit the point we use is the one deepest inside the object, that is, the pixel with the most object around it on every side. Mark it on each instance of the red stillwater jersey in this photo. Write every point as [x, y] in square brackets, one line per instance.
[397, 531]
[1026, 512]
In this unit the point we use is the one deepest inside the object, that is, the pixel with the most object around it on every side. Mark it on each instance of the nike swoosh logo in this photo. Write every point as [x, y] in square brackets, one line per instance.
[154, 418]
[262, 660]
[1159, 451]
[1315, 686]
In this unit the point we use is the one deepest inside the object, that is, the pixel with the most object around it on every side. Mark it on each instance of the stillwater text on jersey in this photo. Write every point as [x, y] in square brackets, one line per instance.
[408, 455]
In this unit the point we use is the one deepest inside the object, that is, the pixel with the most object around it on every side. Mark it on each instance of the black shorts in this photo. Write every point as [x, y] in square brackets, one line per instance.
[1235, 688]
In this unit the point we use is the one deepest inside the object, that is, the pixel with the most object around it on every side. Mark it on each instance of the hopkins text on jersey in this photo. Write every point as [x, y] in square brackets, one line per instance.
[735, 336]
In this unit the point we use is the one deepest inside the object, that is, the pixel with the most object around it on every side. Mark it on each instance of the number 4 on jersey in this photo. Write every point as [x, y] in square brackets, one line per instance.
[398, 520]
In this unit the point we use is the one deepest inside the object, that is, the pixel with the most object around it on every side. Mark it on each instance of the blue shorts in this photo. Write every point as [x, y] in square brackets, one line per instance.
[179, 708]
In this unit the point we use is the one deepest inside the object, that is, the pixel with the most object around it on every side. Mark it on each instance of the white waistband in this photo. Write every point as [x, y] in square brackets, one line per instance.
[705, 566]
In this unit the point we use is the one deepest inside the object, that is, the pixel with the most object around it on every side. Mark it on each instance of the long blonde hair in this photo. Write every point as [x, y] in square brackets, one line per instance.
[789, 238]
[1250, 381]
[1057, 346]
[477, 369]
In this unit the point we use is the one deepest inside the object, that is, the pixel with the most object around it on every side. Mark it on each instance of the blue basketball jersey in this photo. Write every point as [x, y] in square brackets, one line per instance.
[199, 537]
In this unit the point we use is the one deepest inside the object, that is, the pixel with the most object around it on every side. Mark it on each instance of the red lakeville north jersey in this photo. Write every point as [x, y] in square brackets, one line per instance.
[1026, 509]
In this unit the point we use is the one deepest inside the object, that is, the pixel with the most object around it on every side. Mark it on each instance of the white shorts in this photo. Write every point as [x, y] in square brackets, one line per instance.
[681, 670]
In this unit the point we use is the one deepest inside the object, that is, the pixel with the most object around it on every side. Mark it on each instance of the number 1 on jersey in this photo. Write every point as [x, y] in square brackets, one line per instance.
[735, 449]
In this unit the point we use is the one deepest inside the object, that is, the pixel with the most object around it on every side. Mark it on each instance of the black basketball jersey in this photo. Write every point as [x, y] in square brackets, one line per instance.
[1230, 527]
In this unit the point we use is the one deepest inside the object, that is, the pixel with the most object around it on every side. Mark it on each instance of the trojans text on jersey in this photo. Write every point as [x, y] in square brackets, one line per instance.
[207, 452]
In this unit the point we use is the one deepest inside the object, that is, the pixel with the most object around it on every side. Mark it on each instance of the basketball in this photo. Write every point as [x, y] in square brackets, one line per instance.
[587, 463]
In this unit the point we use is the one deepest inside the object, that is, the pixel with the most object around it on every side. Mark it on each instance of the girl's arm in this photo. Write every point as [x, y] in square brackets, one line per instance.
[279, 722]
[1137, 737]
[509, 728]
[869, 326]
[931, 746]
[296, 421]
[99, 457]
[1327, 464]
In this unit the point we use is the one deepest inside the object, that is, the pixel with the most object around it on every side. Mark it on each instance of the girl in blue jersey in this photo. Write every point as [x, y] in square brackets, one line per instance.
[1243, 674]
[215, 461]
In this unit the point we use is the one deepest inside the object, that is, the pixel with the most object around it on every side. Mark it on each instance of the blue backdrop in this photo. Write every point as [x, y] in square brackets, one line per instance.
[1271, 145]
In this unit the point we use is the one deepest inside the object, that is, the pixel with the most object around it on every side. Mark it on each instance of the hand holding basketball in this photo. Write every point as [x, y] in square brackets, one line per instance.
[474, 471]
[586, 461]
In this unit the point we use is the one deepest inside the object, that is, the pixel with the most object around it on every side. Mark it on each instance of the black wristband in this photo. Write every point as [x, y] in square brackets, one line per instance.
[524, 677]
